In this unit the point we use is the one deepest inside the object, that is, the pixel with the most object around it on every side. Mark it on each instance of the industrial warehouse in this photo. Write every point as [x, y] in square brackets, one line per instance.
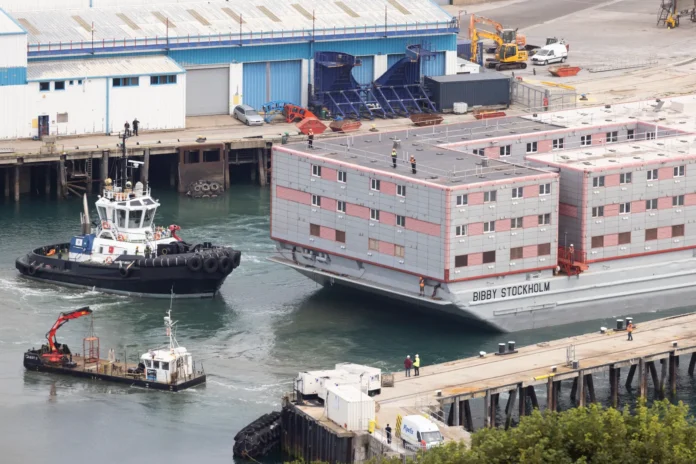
[75, 71]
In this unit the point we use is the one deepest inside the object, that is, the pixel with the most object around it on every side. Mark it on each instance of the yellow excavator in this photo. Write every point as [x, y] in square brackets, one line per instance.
[504, 35]
[508, 55]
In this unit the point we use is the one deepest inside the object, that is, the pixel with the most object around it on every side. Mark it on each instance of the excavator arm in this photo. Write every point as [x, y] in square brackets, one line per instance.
[477, 35]
[62, 319]
[482, 20]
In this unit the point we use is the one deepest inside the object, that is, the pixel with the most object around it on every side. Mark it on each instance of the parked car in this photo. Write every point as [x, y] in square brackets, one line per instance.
[247, 115]
[553, 53]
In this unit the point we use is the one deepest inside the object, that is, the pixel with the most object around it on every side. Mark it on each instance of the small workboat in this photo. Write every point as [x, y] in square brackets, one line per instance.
[169, 368]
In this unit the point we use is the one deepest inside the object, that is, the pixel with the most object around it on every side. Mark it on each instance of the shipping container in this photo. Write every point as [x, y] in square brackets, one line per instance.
[464, 50]
[340, 378]
[348, 407]
[482, 89]
[371, 376]
[309, 383]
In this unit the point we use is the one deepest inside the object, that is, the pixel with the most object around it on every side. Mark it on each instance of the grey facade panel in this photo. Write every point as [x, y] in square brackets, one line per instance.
[207, 91]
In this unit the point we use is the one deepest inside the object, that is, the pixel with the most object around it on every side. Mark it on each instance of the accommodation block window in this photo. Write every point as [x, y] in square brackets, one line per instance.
[401, 221]
[341, 236]
[316, 200]
[316, 170]
[598, 181]
[650, 234]
[585, 140]
[505, 150]
[558, 144]
[314, 230]
[461, 260]
[488, 257]
[516, 223]
[679, 171]
[624, 238]
[544, 219]
[652, 174]
[374, 214]
[612, 136]
[462, 200]
[598, 241]
[544, 189]
[374, 184]
[531, 147]
[516, 253]
[373, 244]
[460, 231]
[341, 206]
[341, 176]
[489, 226]
[544, 249]
[598, 211]
[517, 192]
[490, 197]
[625, 178]
[678, 230]
[625, 208]
[399, 251]
[401, 190]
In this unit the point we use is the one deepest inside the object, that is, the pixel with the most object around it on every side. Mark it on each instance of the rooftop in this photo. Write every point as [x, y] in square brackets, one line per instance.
[435, 164]
[9, 26]
[186, 20]
[102, 67]
[617, 155]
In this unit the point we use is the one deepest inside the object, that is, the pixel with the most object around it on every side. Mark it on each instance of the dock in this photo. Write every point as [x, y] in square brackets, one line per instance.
[446, 392]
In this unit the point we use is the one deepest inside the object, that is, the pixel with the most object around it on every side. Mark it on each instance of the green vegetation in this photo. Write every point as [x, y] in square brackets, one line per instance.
[661, 434]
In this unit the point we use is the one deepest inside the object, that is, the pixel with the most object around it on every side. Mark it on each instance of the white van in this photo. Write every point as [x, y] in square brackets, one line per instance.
[418, 432]
[554, 53]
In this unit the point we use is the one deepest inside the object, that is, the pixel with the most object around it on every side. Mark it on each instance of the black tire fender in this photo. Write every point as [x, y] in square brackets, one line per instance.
[31, 269]
[124, 271]
[237, 259]
[210, 265]
[195, 264]
[225, 264]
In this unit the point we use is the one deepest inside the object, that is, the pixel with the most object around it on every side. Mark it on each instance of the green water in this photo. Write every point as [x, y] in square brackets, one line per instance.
[268, 324]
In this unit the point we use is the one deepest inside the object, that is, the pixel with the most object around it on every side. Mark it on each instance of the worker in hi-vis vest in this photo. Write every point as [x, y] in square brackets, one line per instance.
[394, 157]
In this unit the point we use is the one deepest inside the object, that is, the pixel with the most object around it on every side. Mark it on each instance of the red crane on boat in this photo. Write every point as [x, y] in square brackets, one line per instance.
[55, 352]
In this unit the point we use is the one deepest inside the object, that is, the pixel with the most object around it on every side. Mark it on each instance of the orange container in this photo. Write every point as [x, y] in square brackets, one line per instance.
[312, 123]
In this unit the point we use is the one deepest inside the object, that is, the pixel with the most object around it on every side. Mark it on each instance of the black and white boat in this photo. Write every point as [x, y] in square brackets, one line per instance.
[127, 253]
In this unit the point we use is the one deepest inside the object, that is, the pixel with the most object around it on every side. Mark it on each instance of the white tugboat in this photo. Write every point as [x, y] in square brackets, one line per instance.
[127, 253]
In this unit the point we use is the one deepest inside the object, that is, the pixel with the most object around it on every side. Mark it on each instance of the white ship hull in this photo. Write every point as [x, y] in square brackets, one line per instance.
[530, 300]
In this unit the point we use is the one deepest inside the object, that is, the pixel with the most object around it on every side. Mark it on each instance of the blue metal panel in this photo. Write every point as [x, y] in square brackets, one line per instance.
[13, 76]
[286, 81]
[433, 66]
[255, 80]
[364, 74]
[393, 59]
[279, 52]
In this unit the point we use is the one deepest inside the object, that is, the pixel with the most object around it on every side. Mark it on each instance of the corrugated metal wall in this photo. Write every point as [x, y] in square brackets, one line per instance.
[207, 91]
[393, 59]
[286, 81]
[435, 66]
[365, 74]
[270, 81]
[255, 82]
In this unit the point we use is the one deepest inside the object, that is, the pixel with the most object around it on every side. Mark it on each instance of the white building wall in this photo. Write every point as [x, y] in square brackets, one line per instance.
[236, 85]
[84, 104]
[379, 66]
[15, 121]
[304, 83]
[450, 62]
[13, 50]
[42, 5]
[155, 106]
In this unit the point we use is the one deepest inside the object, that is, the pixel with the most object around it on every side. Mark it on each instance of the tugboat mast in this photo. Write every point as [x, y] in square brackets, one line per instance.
[124, 159]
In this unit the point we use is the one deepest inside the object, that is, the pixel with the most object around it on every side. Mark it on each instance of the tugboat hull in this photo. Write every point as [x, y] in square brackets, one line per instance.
[137, 276]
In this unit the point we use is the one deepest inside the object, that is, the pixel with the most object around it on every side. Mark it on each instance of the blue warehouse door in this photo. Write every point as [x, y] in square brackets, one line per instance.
[434, 65]
[393, 59]
[364, 74]
[255, 84]
[286, 81]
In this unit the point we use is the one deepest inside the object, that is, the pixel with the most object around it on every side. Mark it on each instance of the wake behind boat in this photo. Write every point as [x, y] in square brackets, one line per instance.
[127, 253]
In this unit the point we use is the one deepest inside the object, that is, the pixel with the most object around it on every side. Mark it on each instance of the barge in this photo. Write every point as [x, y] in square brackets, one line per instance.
[171, 368]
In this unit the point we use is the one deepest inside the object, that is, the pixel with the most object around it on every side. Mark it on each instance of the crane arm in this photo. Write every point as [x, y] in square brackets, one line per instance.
[482, 20]
[478, 35]
[62, 319]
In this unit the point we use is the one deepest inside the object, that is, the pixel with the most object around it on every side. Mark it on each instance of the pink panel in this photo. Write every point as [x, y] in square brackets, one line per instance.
[502, 225]
[611, 240]
[423, 227]
[386, 248]
[476, 228]
[611, 180]
[690, 199]
[328, 203]
[530, 221]
[638, 206]
[597, 139]
[388, 188]
[476, 198]
[611, 210]
[665, 173]
[568, 210]
[357, 211]
[327, 232]
[531, 191]
[492, 152]
[328, 173]
[529, 251]
[664, 203]
[293, 195]
[544, 145]
[475, 259]
[664, 232]
[387, 218]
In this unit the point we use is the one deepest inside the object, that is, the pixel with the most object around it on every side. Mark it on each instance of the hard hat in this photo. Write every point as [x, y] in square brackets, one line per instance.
[416, 356]
[408, 356]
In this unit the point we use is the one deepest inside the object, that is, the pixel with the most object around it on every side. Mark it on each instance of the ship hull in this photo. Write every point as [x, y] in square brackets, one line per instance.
[153, 278]
[530, 300]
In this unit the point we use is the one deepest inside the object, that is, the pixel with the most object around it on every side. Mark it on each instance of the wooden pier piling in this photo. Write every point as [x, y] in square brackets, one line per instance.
[7, 195]
[47, 180]
[673, 365]
[614, 374]
[17, 177]
[145, 168]
[510, 407]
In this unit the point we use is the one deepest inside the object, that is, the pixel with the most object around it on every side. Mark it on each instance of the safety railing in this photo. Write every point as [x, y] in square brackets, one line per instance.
[242, 37]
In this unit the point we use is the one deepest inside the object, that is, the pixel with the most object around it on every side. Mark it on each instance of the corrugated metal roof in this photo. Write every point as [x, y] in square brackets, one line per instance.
[101, 67]
[8, 25]
[259, 16]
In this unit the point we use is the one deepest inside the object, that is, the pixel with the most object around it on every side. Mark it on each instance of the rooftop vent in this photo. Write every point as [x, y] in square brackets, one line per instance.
[565, 157]
[587, 163]
[128, 21]
[85, 25]
[399, 7]
[163, 19]
[612, 160]
[233, 15]
[637, 158]
[661, 154]
[199, 17]
[302, 11]
[29, 26]
[460, 159]
[439, 153]
[268, 13]
[347, 10]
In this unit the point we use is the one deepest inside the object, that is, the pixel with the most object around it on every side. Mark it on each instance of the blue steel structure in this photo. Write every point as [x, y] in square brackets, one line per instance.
[399, 90]
[336, 89]
[272, 110]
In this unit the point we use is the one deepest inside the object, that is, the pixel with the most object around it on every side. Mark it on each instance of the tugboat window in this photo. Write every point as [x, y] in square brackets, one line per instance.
[102, 213]
[136, 203]
[148, 364]
[165, 366]
[156, 364]
[134, 219]
[121, 217]
[147, 201]
[149, 214]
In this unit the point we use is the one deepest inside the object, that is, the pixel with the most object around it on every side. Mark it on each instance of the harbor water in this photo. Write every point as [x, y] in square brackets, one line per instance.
[268, 324]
